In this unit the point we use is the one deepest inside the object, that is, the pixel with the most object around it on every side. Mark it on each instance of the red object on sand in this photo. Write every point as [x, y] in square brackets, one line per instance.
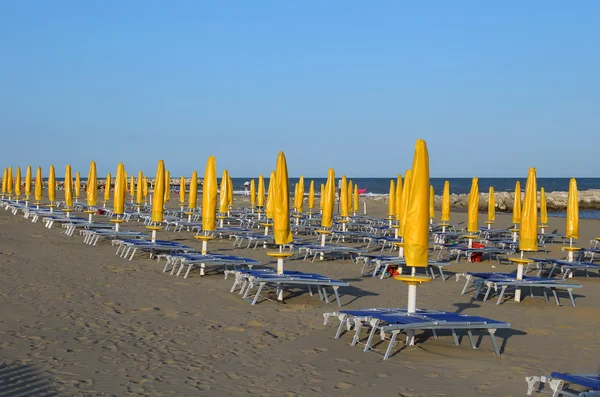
[361, 191]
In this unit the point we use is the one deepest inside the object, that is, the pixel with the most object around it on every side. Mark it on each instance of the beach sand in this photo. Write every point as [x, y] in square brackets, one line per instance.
[77, 320]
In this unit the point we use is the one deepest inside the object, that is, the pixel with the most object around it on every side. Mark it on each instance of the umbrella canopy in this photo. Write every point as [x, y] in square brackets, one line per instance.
[404, 201]
[131, 186]
[4, 180]
[120, 190]
[209, 195]
[68, 187]
[18, 183]
[51, 185]
[193, 195]
[299, 196]
[91, 189]
[328, 198]
[350, 190]
[491, 205]
[528, 235]
[10, 180]
[182, 188]
[397, 204]
[107, 186]
[543, 208]
[158, 198]
[229, 192]
[252, 193]
[446, 203]
[281, 214]
[139, 191]
[270, 199]
[516, 216]
[355, 198]
[321, 196]
[344, 202]
[416, 230]
[77, 185]
[28, 181]
[431, 202]
[167, 186]
[38, 184]
[260, 194]
[572, 226]
[223, 193]
[311, 195]
[392, 199]
[145, 187]
[473, 215]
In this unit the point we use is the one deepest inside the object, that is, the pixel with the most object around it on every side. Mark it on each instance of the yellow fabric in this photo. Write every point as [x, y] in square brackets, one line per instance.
[139, 191]
[193, 195]
[404, 200]
[18, 183]
[77, 184]
[328, 197]
[182, 190]
[68, 187]
[344, 203]
[299, 202]
[398, 198]
[28, 181]
[321, 196]
[416, 230]
[223, 193]
[516, 215]
[51, 185]
[392, 199]
[9, 183]
[491, 205]
[431, 202]
[270, 199]
[543, 208]
[209, 196]
[229, 191]
[572, 227]
[473, 205]
[91, 190]
[281, 215]
[528, 234]
[132, 186]
[311, 195]
[446, 203]
[355, 198]
[158, 196]
[260, 194]
[145, 187]
[167, 185]
[350, 190]
[38, 184]
[107, 186]
[120, 190]
[4, 180]
[252, 193]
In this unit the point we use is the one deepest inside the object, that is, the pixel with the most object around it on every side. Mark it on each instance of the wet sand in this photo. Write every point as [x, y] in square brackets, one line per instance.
[78, 320]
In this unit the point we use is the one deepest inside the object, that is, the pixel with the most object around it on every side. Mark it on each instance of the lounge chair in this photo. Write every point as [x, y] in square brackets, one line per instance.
[558, 381]
[568, 268]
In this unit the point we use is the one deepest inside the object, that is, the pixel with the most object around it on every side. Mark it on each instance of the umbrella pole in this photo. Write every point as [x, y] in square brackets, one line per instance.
[412, 308]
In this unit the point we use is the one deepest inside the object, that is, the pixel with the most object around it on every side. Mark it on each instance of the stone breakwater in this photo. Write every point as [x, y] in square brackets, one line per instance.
[555, 201]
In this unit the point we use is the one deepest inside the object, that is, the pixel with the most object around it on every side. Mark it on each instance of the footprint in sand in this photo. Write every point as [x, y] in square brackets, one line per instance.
[343, 385]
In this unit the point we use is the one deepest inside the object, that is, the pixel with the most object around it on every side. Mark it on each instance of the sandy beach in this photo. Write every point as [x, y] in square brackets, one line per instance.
[77, 320]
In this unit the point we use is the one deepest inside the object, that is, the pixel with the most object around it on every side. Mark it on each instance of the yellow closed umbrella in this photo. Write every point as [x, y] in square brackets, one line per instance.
[516, 214]
[431, 204]
[224, 194]
[350, 190]
[355, 199]
[209, 196]
[572, 224]
[77, 186]
[300, 205]
[281, 215]
[145, 188]
[167, 183]
[260, 194]
[445, 218]
[473, 207]
[193, 195]
[132, 187]
[252, 194]
[51, 187]
[528, 235]
[4, 181]
[344, 204]
[404, 201]
[397, 196]
[328, 198]
[139, 191]
[28, 183]
[107, 186]
[270, 201]
[229, 192]
[182, 188]
[321, 197]
[120, 191]
[38, 186]
[391, 201]
[158, 199]
[543, 210]
[9, 183]
[18, 183]
[295, 196]
[491, 207]
[68, 188]
[91, 190]
[311, 196]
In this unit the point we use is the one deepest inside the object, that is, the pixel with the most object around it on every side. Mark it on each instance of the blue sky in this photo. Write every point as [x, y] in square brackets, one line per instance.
[494, 87]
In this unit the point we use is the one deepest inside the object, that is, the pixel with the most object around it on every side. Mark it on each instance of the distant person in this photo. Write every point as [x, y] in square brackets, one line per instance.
[247, 188]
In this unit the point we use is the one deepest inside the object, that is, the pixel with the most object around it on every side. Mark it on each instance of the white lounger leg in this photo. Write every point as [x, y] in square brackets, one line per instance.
[392, 343]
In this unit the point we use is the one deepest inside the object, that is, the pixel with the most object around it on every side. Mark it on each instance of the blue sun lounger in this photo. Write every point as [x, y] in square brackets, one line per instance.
[382, 263]
[568, 268]
[192, 260]
[247, 279]
[558, 381]
[395, 320]
[125, 246]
